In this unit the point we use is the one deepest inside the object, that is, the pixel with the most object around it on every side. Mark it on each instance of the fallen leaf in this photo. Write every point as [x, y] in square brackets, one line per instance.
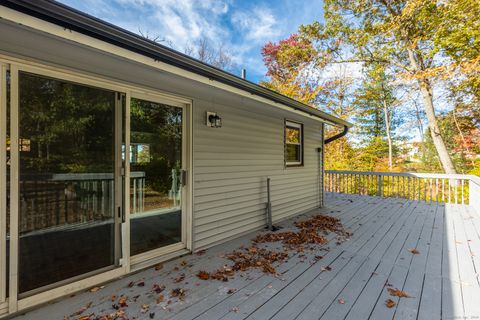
[232, 290]
[160, 298]
[122, 302]
[141, 284]
[158, 288]
[159, 266]
[151, 315]
[94, 289]
[390, 303]
[341, 301]
[200, 252]
[203, 275]
[414, 251]
[178, 293]
[398, 293]
[180, 278]
[235, 309]
[144, 308]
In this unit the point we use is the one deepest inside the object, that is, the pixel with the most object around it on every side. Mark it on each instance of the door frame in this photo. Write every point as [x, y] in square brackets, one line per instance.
[15, 70]
[3, 183]
[13, 303]
[137, 261]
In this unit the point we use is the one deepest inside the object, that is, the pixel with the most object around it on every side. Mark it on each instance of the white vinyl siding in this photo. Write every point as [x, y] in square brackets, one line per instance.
[231, 166]
[231, 163]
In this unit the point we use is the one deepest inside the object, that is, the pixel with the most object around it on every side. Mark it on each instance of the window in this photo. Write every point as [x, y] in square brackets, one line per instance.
[293, 143]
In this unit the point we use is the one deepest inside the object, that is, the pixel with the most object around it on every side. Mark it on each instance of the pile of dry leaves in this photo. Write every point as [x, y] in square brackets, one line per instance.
[307, 233]
[244, 259]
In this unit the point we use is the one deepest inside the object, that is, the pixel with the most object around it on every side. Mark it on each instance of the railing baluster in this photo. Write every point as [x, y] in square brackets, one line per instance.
[449, 192]
[455, 185]
[443, 190]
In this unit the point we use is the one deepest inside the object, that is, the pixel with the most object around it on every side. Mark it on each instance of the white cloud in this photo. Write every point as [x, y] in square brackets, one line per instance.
[181, 22]
[258, 25]
[240, 27]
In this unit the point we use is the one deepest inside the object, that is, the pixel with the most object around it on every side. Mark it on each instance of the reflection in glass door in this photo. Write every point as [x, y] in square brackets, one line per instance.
[155, 175]
[67, 221]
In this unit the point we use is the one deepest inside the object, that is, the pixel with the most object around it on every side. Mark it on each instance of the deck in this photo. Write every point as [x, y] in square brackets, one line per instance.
[442, 279]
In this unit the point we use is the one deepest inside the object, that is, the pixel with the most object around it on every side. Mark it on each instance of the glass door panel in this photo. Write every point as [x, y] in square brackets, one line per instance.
[155, 175]
[67, 224]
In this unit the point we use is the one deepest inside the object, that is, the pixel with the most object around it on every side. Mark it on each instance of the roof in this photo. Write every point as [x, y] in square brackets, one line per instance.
[81, 22]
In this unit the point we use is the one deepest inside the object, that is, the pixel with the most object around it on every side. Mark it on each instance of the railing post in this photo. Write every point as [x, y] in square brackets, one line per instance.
[474, 195]
[379, 185]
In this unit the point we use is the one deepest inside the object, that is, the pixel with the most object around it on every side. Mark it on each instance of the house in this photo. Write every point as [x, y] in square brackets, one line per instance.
[130, 153]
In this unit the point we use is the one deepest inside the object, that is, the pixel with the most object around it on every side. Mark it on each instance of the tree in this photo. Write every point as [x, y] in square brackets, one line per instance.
[293, 72]
[376, 103]
[289, 67]
[203, 50]
[392, 33]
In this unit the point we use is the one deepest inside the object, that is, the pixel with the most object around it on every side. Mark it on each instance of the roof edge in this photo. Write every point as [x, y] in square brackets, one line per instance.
[81, 22]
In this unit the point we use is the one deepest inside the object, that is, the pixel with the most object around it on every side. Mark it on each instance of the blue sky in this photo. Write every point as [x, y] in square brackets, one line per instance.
[242, 27]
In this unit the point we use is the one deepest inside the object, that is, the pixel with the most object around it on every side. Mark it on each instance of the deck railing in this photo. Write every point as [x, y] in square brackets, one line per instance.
[52, 200]
[448, 188]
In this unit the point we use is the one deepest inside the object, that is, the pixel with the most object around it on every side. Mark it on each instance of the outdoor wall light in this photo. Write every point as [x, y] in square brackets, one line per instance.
[213, 120]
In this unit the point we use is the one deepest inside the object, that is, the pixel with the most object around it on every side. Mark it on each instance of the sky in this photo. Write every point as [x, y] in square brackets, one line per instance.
[241, 26]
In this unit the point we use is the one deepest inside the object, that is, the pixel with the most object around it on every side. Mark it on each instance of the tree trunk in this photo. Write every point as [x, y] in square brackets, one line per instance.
[437, 138]
[420, 128]
[427, 97]
[389, 135]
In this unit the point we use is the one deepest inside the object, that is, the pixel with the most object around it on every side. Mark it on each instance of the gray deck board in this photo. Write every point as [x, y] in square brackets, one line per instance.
[467, 273]
[214, 303]
[353, 222]
[442, 279]
[303, 290]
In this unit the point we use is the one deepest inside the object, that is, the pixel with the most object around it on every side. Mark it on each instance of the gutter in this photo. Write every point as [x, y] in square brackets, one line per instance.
[69, 18]
[337, 136]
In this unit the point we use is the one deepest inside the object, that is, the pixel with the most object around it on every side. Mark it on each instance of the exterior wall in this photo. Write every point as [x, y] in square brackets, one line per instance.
[231, 166]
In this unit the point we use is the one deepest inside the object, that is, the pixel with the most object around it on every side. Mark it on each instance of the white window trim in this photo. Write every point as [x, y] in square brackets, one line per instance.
[298, 126]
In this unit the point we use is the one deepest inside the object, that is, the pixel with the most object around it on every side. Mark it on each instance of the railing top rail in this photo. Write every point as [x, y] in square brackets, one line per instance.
[91, 176]
[411, 174]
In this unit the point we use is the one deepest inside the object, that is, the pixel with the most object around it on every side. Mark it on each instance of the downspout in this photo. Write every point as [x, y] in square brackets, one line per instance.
[326, 141]
[337, 136]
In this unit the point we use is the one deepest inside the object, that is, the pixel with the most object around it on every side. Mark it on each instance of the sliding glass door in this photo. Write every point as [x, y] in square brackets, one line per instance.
[66, 141]
[69, 200]
[156, 175]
